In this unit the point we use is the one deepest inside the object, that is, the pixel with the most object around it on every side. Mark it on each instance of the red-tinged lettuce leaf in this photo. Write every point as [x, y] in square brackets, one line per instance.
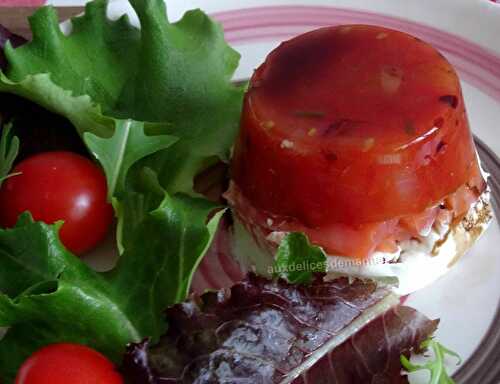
[372, 355]
[274, 332]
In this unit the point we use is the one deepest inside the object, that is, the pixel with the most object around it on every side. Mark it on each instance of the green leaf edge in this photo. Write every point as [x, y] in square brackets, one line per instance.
[9, 149]
[436, 367]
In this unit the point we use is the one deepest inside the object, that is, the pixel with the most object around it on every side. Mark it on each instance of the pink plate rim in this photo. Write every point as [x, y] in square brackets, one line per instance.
[476, 65]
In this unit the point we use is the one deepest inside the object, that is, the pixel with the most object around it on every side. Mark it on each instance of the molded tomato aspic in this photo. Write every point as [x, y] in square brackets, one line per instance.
[67, 364]
[353, 125]
[55, 186]
[354, 135]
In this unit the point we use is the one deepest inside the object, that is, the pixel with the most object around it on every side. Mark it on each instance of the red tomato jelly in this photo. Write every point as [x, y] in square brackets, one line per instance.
[354, 125]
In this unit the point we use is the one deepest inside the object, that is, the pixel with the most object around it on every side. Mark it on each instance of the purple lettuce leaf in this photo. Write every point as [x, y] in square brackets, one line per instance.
[372, 355]
[273, 332]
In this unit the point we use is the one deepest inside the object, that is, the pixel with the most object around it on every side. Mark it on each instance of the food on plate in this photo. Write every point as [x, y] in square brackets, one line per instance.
[67, 364]
[152, 121]
[154, 113]
[60, 186]
[48, 295]
[358, 137]
[276, 332]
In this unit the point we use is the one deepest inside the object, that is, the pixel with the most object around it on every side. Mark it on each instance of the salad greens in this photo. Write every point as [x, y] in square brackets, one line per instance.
[50, 296]
[178, 74]
[127, 146]
[9, 148]
[297, 259]
[264, 331]
[436, 367]
[158, 98]
[155, 106]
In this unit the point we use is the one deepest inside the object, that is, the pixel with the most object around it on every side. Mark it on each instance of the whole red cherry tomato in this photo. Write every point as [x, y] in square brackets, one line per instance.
[67, 364]
[60, 186]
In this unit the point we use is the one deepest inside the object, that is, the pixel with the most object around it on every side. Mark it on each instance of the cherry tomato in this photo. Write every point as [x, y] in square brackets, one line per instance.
[60, 186]
[67, 364]
[353, 125]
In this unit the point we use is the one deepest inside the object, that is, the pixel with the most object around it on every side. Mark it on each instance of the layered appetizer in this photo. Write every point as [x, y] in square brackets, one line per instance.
[358, 137]
[354, 154]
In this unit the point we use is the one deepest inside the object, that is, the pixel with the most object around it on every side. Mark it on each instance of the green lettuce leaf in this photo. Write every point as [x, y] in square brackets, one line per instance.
[297, 259]
[176, 73]
[175, 77]
[436, 367]
[126, 147]
[155, 106]
[9, 149]
[81, 111]
[138, 200]
[49, 295]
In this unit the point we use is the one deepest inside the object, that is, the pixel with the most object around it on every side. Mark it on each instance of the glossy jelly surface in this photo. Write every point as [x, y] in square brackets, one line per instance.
[353, 124]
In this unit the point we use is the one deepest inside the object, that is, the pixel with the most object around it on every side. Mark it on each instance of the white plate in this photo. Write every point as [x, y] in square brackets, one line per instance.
[466, 31]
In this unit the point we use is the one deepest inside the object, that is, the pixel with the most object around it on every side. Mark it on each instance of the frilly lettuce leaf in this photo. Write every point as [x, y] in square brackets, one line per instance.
[107, 76]
[50, 296]
[81, 111]
[155, 106]
[264, 331]
[175, 73]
